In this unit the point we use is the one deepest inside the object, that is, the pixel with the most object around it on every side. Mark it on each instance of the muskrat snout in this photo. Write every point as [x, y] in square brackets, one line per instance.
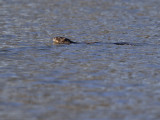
[62, 40]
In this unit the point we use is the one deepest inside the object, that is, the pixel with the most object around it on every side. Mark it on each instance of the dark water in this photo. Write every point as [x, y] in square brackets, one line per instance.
[42, 81]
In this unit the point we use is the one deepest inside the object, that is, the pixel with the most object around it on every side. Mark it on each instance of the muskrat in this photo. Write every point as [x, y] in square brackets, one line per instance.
[63, 40]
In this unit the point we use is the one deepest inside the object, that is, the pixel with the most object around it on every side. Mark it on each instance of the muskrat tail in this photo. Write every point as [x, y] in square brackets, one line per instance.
[122, 43]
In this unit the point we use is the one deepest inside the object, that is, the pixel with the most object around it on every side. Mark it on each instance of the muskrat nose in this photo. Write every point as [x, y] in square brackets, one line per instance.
[55, 40]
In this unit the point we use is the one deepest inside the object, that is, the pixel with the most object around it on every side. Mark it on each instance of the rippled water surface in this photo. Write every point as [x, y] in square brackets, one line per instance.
[42, 81]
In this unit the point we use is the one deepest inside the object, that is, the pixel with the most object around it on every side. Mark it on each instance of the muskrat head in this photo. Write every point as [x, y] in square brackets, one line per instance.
[62, 40]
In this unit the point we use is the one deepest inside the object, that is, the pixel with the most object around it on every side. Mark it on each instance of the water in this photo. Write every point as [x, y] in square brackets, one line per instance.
[42, 81]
